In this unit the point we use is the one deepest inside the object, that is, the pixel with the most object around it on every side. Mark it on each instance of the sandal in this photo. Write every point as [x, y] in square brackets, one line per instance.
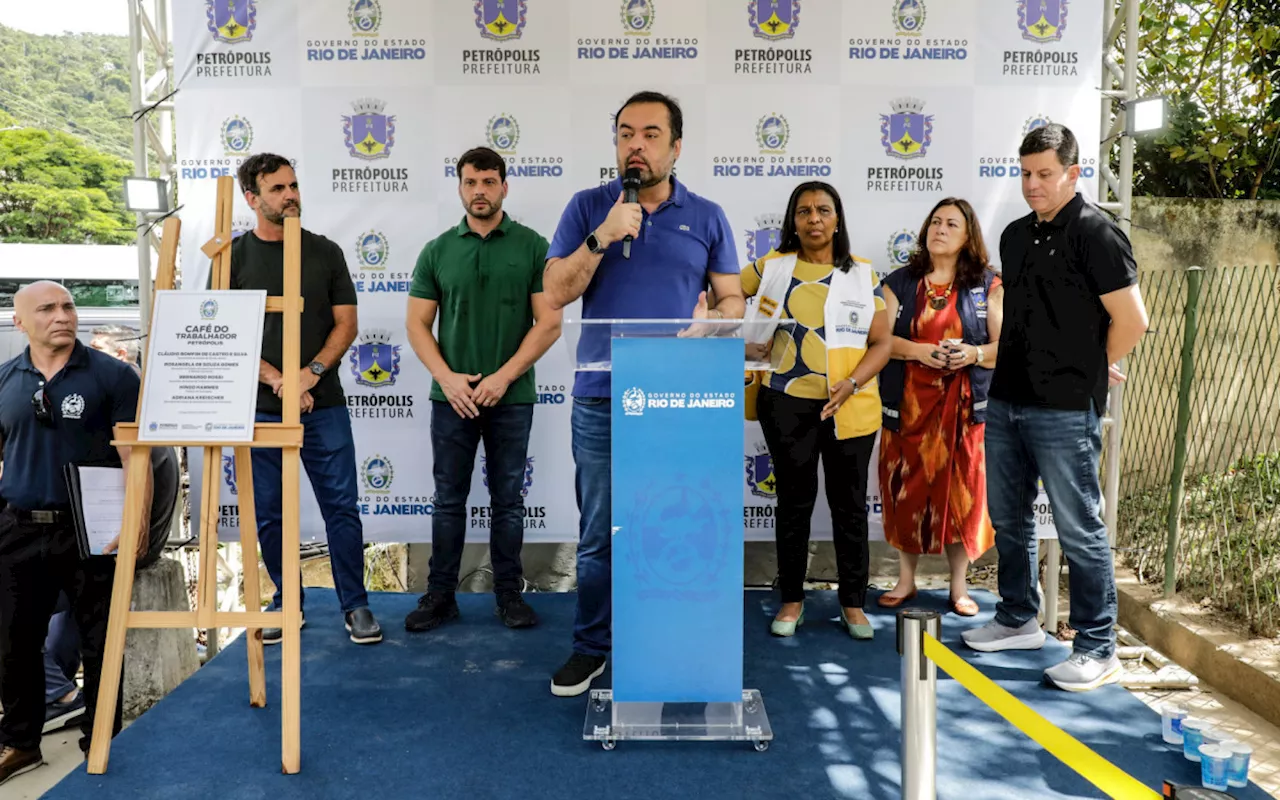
[888, 601]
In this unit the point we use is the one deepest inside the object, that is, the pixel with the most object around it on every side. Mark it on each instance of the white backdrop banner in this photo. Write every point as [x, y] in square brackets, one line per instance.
[898, 103]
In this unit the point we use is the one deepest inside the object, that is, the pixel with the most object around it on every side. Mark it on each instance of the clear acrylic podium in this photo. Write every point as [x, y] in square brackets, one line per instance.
[677, 390]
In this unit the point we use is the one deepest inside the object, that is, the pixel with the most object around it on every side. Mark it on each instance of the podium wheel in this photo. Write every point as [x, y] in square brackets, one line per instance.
[761, 746]
[609, 744]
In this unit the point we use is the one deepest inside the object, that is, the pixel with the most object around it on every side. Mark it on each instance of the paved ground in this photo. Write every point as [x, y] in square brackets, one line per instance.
[1242, 724]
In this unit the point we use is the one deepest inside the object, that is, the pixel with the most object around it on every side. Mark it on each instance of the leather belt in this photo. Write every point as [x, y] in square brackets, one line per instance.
[41, 516]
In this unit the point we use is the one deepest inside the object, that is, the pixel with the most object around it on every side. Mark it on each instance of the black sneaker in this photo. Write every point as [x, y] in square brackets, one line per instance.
[434, 609]
[576, 675]
[60, 715]
[364, 629]
[514, 611]
[275, 635]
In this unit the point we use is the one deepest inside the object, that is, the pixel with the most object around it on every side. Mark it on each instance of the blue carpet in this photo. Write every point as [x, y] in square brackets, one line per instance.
[465, 712]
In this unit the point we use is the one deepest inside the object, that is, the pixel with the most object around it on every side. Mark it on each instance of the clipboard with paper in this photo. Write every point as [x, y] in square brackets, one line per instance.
[97, 505]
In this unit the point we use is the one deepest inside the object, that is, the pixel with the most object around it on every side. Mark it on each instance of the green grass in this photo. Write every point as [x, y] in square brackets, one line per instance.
[1229, 540]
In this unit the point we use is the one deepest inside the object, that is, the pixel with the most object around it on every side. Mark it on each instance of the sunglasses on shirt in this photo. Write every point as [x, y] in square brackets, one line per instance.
[40, 403]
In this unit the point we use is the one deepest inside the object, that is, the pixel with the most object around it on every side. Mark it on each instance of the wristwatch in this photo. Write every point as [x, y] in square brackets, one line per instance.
[593, 244]
[317, 368]
[854, 384]
[978, 347]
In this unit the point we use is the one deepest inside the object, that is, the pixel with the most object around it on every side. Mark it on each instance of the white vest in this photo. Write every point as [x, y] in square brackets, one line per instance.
[847, 315]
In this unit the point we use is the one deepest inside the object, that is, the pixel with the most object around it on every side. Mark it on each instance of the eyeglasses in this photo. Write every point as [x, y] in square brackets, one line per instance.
[40, 403]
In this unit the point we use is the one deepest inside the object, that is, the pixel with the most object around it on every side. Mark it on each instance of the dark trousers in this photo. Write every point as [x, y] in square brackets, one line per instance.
[329, 456]
[504, 430]
[797, 437]
[36, 563]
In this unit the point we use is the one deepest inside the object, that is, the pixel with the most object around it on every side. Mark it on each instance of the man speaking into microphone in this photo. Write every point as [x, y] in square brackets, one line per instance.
[644, 251]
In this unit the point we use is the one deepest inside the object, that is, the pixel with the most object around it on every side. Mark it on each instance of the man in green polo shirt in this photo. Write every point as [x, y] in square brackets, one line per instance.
[484, 280]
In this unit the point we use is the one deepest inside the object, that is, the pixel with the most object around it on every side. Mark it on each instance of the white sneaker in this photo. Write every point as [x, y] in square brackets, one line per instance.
[1082, 673]
[994, 637]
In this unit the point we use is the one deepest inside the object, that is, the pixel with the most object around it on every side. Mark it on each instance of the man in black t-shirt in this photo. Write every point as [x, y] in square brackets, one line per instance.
[328, 328]
[1072, 310]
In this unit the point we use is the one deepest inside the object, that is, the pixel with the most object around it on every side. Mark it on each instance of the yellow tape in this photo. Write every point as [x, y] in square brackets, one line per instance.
[1070, 751]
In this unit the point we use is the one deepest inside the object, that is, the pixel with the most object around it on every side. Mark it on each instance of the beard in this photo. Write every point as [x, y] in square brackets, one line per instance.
[648, 176]
[488, 212]
[277, 216]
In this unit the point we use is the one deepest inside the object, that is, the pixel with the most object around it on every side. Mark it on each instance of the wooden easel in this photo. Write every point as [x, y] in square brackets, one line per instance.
[286, 436]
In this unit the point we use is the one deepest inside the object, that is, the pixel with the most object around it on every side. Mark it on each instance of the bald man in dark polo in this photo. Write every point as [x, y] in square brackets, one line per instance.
[59, 401]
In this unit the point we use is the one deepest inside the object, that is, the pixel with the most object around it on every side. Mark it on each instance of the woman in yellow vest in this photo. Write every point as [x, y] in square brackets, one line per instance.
[821, 399]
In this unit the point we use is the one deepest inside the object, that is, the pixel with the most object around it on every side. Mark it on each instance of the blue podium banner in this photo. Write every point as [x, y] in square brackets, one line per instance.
[677, 520]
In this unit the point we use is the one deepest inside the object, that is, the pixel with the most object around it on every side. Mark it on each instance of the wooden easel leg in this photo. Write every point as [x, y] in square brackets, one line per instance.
[252, 587]
[207, 573]
[291, 655]
[118, 620]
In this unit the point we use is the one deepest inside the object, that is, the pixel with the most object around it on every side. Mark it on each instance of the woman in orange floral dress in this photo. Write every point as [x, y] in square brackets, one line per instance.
[947, 305]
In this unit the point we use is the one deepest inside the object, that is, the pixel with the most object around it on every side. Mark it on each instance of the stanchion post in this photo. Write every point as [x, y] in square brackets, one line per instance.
[919, 705]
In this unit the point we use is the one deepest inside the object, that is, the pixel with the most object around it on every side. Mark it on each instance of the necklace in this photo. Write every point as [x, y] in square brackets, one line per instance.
[935, 302]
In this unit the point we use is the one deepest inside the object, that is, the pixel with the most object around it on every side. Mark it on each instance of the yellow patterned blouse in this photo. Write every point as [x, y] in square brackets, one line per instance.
[803, 369]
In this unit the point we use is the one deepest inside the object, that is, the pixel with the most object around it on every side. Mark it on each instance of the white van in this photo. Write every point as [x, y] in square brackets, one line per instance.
[102, 279]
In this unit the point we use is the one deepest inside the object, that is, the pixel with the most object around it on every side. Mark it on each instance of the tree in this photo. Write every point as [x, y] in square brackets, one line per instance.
[54, 188]
[1218, 62]
[75, 82]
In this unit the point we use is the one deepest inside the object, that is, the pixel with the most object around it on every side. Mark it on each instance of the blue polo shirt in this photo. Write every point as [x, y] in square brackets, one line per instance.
[682, 241]
[86, 398]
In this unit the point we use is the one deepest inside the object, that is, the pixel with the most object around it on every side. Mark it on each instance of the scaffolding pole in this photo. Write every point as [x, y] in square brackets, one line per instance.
[1119, 85]
[152, 131]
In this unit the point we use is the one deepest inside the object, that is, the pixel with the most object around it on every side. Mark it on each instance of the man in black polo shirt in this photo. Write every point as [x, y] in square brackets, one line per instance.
[59, 401]
[484, 279]
[64, 702]
[1072, 309]
[328, 328]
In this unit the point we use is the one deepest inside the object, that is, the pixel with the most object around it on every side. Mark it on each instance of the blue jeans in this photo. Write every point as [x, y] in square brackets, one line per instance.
[1062, 449]
[61, 653]
[593, 463]
[329, 456]
[454, 439]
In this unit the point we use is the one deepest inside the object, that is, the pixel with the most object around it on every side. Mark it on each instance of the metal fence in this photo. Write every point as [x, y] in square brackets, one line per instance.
[1199, 506]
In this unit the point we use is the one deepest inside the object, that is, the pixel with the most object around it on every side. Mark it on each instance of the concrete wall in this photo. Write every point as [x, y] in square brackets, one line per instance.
[1234, 396]
[1178, 232]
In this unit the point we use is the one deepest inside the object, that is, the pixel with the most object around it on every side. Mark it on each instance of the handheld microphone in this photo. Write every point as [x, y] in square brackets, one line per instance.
[630, 194]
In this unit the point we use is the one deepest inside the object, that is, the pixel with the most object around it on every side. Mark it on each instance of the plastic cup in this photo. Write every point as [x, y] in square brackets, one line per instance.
[1171, 717]
[1238, 764]
[1213, 767]
[1193, 737]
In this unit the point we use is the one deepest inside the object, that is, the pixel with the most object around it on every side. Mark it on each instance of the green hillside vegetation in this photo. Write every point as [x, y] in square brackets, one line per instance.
[75, 83]
[65, 138]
